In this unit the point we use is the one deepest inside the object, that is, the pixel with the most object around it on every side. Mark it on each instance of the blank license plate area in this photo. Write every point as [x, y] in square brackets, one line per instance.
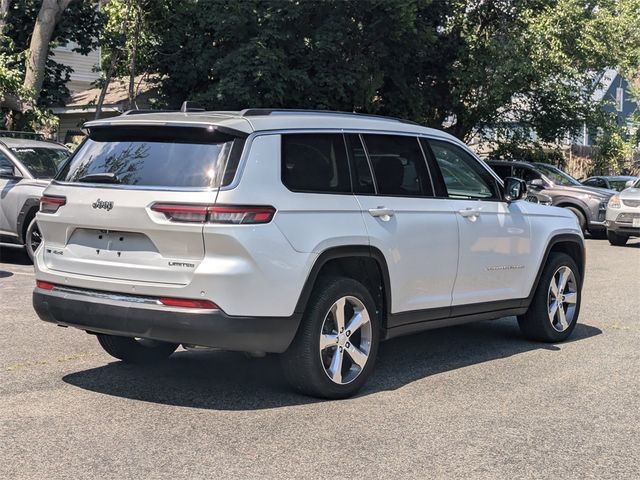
[636, 222]
[109, 243]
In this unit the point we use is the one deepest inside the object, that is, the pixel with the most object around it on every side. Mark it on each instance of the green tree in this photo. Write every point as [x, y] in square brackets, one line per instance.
[463, 65]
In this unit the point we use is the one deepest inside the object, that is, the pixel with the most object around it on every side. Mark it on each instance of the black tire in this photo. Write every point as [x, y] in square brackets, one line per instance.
[131, 350]
[32, 238]
[616, 239]
[599, 234]
[582, 220]
[303, 362]
[536, 324]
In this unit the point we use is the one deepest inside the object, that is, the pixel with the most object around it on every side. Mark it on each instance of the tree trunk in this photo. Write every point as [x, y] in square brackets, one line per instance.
[115, 55]
[132, 61]
[4, 10]
[49, 15]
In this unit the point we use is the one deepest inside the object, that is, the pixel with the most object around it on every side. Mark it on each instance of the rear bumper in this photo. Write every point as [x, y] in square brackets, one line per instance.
[130, 317]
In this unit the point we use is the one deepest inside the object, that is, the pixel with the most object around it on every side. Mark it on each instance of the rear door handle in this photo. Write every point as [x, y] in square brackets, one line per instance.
[470, 212]
[383, 213]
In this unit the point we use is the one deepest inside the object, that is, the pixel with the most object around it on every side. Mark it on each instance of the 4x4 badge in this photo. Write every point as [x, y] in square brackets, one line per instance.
[102, 204]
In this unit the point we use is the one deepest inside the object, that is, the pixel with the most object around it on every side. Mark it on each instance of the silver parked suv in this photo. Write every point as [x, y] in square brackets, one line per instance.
[623, 215]
[311, 234]
[26, 167]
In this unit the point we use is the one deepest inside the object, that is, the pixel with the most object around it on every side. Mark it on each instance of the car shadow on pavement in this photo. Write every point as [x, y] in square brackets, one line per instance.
[231, 381]
[15, 256]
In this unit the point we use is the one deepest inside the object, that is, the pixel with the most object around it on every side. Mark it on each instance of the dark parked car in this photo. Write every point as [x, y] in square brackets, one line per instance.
[589, 204]
[617, 182]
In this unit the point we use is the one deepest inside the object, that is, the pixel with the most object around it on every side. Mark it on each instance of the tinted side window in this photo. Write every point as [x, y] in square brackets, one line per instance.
[463, 175]
[313, 162]
[503, 171]
[601, 183]
[398, 165]
[526, 174]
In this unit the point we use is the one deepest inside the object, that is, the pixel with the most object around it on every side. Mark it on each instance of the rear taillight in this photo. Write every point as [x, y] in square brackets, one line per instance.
[227, 214]
[182, 213]
[240, 215]
[44, 285]
[51, 203]
[187, 303]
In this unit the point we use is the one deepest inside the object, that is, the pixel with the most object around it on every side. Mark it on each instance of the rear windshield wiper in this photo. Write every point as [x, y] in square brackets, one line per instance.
[100, 178]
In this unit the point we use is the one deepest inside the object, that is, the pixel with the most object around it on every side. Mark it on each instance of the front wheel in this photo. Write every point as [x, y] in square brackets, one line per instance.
[582, 221]
[555, 306]
[135, 350]
[33, 239]
[334, 350]
[617, 239]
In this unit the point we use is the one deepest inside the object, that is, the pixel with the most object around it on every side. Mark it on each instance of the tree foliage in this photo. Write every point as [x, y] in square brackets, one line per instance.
[467, 65]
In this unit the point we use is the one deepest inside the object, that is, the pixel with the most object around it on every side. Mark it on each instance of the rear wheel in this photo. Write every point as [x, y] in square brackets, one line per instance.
[136, 350]
[335, 348]
[32, 238]
[617, 239]
[555, 307]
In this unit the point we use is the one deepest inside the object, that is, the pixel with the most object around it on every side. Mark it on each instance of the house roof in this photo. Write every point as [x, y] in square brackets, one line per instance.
[116, 98]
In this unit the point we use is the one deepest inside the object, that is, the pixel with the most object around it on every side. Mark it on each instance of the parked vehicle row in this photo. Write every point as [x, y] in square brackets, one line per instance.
[313, 235]
[588, 204]
[598, 208]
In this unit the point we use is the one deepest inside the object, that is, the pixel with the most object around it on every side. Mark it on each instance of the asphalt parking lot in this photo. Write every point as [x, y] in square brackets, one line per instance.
[474, 401]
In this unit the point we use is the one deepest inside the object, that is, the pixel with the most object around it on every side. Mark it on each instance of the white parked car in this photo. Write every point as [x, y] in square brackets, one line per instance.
[311, 234]
[623, 215]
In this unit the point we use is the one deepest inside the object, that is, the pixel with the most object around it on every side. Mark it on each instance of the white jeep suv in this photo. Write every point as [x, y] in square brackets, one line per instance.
[311, 234]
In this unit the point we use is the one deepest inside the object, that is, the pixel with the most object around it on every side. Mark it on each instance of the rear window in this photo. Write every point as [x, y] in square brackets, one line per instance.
[315, 162]
[41, 162]
[158, 157]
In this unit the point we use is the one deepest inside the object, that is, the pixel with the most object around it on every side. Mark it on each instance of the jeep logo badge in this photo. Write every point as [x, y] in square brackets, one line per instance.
[102, 204]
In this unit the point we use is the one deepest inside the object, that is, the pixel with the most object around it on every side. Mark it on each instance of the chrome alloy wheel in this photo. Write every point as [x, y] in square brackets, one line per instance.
[345, 340]
[562, 299]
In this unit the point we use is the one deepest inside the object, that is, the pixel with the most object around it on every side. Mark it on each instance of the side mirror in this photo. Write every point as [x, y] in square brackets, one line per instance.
[7, 172]
[514, 189]
[629, 183]
[537, 182]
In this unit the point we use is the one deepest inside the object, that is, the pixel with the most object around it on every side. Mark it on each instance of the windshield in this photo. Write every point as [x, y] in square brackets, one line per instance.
[558, 176]
[42, 162]
[637, 184]
[618, 185]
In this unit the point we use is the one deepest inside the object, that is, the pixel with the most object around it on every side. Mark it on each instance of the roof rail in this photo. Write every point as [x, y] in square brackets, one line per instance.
[148, 110]
[18, 134]
[252, 112]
